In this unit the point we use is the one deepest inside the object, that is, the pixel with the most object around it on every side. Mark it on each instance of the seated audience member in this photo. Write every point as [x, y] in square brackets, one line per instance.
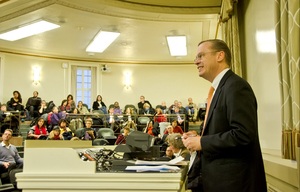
[175, 143]
[112, 119]
[142, 102]
[175, 128]
[159, 116]
[88, 133]
[38, 131]
[8, 119]
[151, 129]
[43, 108]
[33, 104]
[65, 131]
[70, 104]
[15, 103]
[194, 171]
[163, 140]
[147, 110]
[169, 153]
[117, 109]
[129, 114]
[99, 104]
[172, 107]
[9, 157]
[192, 110]
[164, 108]
[55, 134]
[56, 116]
[63, 105]
[122, 137]
[181, 120]
[81, 108]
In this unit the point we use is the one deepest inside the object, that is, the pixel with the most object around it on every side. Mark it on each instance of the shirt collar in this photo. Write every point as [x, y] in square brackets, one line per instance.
[3, 144]
[218, 78]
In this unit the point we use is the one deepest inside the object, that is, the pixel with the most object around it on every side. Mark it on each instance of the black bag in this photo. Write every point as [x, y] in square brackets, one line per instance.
[34, 121]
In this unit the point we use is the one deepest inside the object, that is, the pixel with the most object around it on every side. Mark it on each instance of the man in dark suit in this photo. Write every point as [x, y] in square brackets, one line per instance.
[229, 145]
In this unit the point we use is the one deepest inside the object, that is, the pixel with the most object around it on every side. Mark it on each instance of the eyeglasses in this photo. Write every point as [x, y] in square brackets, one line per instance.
[201, 55]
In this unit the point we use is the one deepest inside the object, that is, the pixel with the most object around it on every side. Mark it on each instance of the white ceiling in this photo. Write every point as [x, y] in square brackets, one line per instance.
[143, 25]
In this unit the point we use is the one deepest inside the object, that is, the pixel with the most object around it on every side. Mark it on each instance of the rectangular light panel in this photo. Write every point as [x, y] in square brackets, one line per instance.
[28, 30]
[102, 40]
[177, 45]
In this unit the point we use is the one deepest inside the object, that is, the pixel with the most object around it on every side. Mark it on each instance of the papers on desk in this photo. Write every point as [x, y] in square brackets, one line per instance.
[152, 168]
[142, 166]
[171, 162]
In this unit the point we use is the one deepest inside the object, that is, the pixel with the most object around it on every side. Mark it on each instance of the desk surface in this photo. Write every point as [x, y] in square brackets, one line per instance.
[59, 168]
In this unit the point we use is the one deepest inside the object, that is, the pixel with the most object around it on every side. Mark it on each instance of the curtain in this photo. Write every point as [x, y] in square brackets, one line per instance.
[288, 51]
[230, 32]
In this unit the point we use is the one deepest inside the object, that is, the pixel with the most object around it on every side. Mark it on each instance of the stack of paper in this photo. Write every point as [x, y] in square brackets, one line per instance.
[155, 165]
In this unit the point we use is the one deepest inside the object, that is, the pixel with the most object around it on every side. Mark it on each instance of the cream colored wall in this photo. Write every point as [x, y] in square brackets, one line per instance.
[262, 72]
[155, 82]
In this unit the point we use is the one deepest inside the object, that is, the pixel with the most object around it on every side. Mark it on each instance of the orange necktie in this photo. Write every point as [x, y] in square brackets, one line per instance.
[209, 97]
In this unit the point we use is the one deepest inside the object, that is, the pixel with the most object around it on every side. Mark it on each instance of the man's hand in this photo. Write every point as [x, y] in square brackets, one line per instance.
[191, 142]
[6, 164]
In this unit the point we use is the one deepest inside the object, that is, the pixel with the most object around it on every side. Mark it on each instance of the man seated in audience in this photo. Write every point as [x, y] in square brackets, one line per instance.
[192, 110]
[169, 153]
[164, 108]
[142, 102]
[172, 107]
[9, 157]
[33, 104]
[88, 133]
[56, 116]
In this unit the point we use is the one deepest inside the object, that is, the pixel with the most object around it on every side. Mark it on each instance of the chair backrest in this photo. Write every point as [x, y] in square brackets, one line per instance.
[143, 120]
[106, 133]
[100, 142]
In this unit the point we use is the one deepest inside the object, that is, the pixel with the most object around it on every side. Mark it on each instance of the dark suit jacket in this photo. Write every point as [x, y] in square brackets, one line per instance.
[231, 155]
[194, 175]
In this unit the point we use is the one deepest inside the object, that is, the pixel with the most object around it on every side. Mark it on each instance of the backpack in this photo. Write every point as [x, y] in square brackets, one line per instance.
[75, 124]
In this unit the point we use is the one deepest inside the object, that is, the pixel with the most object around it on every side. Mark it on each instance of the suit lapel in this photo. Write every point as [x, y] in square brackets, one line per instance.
[216, 97]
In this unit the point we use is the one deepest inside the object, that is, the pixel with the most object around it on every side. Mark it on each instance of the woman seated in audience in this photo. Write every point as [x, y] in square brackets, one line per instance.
[81, 108]
[38, 131]
[176, 128]
[99, 104]
[122, 137]
[159, 116]
[15, 103]
[175, 143]
[146, 110]
[70, 103]
[151, 129]
[117, 109]
[43, 108]
[63, 105]
[55, 134]
[65, 131]
[129, 114]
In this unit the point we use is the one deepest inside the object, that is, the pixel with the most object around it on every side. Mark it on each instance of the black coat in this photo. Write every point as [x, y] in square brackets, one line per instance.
[231, 155]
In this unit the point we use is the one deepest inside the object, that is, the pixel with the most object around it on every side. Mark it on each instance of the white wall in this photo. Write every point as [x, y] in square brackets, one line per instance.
[155, 82]
[262, 72]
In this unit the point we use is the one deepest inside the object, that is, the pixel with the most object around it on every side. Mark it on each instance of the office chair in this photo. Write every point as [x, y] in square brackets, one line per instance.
[97, 142]
[108, 134]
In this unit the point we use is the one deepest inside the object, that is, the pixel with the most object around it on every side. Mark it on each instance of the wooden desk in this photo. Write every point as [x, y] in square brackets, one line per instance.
[59, 168]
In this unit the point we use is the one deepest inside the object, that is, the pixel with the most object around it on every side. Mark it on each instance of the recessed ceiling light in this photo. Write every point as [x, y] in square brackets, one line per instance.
[102, 40]
[27, 30]
[177, 45]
